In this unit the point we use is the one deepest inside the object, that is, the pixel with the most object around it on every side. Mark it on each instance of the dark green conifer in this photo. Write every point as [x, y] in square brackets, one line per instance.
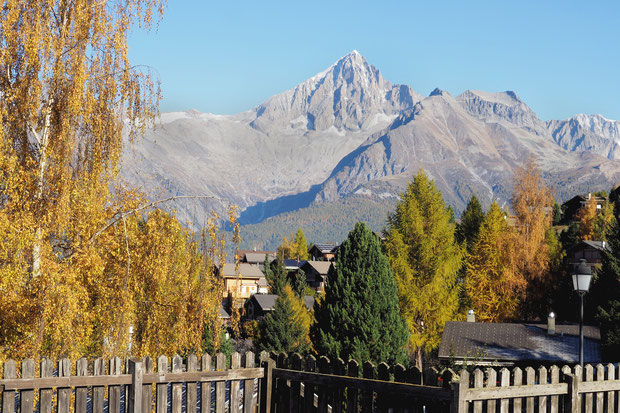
[606, 293]
[359, 317]
[467, 230]
[286, 328]
[276, 276]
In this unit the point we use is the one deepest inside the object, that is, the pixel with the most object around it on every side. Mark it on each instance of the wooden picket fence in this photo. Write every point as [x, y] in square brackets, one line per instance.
[291, 383]
[553, 390]
[311, 385]
[134, 386]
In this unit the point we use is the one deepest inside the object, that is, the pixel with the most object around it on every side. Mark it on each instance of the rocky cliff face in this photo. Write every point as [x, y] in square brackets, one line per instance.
[587, 133]
[347, 131]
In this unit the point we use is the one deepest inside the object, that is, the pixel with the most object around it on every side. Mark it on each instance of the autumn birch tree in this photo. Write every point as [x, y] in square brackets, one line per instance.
[73, 236]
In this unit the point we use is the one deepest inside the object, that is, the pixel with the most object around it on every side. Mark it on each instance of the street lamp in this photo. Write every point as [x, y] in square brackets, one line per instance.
[581, 283]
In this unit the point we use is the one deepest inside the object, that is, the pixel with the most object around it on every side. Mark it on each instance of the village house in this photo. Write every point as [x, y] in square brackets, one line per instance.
[258, 306]
[323, 252]
[256, 257]
[316, 273]
[244, 283]
[573, 205]
[517, 344]
[591, 251]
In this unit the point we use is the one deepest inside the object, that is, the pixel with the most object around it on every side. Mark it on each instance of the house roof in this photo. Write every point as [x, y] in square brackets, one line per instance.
[267, 302]
[293, 264]
[223, 312]
[246, 271]
[518, 342]
[243, 254]
[262, 282]
[255, 257]
[326, 248]
[599, 245]
[322, 267]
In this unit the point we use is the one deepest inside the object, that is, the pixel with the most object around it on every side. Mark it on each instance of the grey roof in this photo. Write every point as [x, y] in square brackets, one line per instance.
[322, 267]
[223, 312]
[518, 342]
[327, 248]
[255, 257]
[268, 301]
[293, 264]
[599, 245]
[262, 282]
[246, 270]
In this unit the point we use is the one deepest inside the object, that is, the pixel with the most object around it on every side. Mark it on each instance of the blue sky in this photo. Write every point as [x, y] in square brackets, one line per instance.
[560, 57]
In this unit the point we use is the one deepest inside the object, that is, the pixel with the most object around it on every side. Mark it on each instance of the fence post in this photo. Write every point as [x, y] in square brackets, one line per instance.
[266, 383]
[134, 396]
[572, 402]
[459, 405]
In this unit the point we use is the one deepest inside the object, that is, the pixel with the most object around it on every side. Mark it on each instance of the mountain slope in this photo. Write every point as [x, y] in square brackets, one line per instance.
[282, 147]
[587, 133]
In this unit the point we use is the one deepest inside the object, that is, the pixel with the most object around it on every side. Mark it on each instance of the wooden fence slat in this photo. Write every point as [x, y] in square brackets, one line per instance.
[81, 393]
[205, 388]
[114, 392]
[400, 376]
[554, 372]
[8, 396]
[220, 386]
[98, 391]
[383, 400]
[430, 377]
[589, 376]
[192, 387]
[542, 379]
[478, 384]
[353, 370]
[600, 396]
[517, 380]
[309, 388]
[295, 399]
[134, 390]
[64, 394]
[45, 395]
[323, 391]
[368, 371]
[530, 378]
[282, 389]
[161, 402]
[504, 382]
[266, 384]
[459, 403]
[235, 363]
[611, 399]
[339, 368]
[147, 389]
[26, 397]
[248, 385]
[491, 382]
[177, 388]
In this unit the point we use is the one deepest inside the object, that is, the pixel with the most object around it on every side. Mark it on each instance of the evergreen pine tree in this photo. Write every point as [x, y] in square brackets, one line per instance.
[471, 219]
[426, 260]
[606, 291]
[276, 276]
[286, 328]
[557, 213]
[359, 316]
[299, 286]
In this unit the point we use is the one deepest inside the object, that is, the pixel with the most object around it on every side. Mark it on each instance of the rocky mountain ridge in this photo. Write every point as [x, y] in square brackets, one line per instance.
[348, 131]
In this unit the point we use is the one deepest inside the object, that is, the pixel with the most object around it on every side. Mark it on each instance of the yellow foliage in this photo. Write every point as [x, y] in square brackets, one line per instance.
[79, 263]
[493, 289]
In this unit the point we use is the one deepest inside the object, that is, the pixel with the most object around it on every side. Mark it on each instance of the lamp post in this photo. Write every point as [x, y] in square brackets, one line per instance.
[581, 283]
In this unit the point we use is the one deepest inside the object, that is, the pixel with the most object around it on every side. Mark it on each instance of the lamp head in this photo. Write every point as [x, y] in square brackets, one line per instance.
[582, 277]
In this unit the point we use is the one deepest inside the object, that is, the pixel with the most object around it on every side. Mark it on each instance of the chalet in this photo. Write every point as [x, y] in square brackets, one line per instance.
[316, 273]
[591, 251]
[259, 305]
[323, 252]
[256, 257]
[244, 283]
[573, 205]
[520, 344]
